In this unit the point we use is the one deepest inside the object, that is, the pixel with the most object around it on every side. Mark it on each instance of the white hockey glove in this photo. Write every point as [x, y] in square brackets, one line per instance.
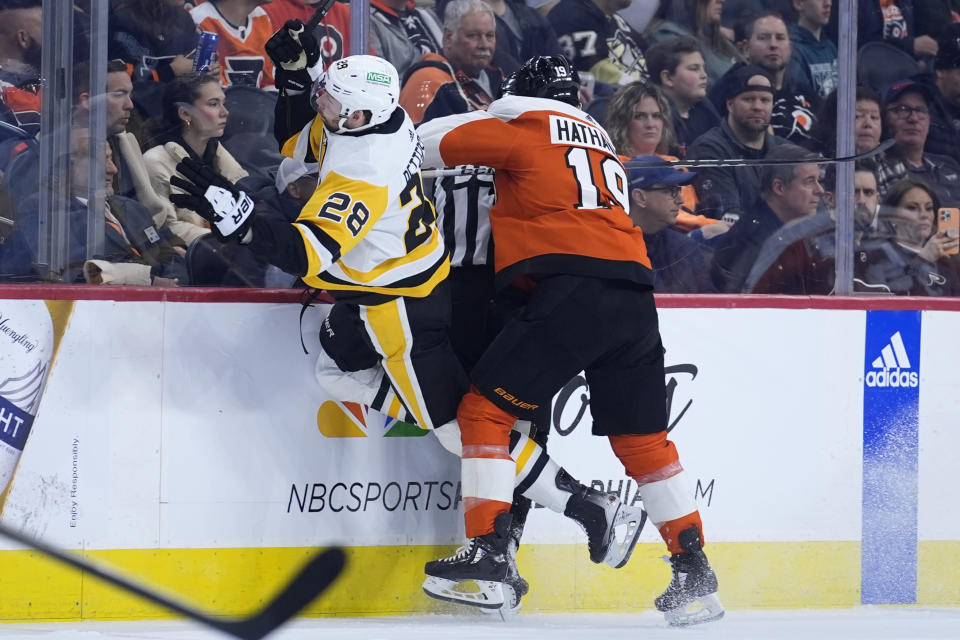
[228, 210]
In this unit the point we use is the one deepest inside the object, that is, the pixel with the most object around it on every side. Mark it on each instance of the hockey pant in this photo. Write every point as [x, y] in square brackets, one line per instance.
[550, 341]
[394, 357]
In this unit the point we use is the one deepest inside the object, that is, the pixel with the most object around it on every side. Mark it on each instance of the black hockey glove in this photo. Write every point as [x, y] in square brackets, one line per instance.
[292, 47]
[215, 198]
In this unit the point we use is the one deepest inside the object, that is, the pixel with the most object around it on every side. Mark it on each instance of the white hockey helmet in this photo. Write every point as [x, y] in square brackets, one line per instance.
[360, 83]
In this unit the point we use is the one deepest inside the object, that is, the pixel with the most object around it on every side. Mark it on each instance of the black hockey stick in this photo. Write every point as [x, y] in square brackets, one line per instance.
[318, 574]
[761, 162]
[323, 8]
[710, 163]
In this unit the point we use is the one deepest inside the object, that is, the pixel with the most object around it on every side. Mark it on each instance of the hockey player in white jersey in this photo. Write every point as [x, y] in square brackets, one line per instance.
[368, 237]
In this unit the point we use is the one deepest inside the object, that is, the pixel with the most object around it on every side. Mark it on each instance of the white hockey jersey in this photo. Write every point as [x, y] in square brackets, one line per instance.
[368, 227]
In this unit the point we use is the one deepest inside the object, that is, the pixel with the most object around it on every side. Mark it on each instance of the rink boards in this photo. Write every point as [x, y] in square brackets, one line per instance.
[187, 442]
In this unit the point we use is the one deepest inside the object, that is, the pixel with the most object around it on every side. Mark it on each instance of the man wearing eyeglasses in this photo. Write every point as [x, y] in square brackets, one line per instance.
[907, 121]
[655, 199]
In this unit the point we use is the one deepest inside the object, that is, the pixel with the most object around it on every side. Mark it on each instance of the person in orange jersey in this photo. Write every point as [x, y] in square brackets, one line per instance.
[575, 255]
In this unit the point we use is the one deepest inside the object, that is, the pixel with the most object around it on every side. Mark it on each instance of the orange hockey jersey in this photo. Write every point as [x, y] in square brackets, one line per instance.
[561, 189]
[240, 48]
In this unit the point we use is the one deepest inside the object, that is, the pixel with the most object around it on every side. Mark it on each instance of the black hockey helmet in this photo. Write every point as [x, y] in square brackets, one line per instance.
[545, 77]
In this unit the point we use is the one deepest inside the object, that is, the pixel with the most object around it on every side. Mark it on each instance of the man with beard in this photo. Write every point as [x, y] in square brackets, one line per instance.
[765, 43]
[21, 38]
[724, 192]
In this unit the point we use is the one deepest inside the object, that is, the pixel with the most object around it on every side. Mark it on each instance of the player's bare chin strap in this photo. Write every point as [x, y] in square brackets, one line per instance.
[652, 461]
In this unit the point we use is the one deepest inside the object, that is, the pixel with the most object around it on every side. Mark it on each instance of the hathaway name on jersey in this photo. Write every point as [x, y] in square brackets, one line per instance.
[569, 131]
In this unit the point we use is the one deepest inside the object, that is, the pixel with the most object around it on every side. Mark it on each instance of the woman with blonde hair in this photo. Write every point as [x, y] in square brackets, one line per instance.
[638, 122]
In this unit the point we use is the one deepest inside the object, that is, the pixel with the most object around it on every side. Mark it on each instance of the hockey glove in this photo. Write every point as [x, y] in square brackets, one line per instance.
[292, 48]
[215, 198]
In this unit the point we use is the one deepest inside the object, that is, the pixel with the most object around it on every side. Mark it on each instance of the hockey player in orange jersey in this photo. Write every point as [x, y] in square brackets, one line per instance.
[564, 238]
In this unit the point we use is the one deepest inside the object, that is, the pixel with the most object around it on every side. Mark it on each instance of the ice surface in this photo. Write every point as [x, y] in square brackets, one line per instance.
[861, 623]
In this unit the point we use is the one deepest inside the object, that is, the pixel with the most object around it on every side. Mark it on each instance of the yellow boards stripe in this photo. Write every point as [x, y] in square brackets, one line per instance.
[385, 580]
[387, 323]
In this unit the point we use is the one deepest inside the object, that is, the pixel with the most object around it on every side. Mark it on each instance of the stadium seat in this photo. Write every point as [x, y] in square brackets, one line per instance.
[251, 111]
[879, 65]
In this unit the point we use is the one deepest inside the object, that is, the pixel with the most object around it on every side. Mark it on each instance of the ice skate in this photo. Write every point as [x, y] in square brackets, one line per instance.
[478, 574]
[691, 597]
[612, 527]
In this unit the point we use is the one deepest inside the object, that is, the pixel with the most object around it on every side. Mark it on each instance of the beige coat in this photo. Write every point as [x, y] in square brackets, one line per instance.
[161, 163]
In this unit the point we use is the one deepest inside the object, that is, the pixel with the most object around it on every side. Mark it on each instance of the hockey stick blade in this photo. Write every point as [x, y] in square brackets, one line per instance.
[318, 574]
[705, 163]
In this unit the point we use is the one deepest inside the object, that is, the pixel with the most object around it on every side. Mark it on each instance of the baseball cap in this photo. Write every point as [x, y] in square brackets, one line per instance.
[948, 52]
[738, 81]
[644, 172]
[901, 87]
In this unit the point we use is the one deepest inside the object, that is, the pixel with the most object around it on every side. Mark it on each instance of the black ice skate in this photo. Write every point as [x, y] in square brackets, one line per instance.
[691, 597]
[478, 574]
[612, 527]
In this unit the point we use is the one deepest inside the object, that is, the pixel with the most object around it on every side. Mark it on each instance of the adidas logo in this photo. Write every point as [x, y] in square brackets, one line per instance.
[892, 368]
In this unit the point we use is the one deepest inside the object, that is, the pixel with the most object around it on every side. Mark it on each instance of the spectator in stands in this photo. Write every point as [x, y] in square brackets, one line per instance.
[907, 121]
[522, 33]
[333, 32]
[132, 179]
[463, 203]
[655, 201]
[933, 17]
[700, 20]
[916, 261]
[677, 67]
[765, 42]
[944, 138]
[21, 40]
[893, 22]
[725, 192]
[462, 79]
[403, 33]
[800, 258]
[735, 12]
[156, 40]
[788, 192]
[638, 126]
[194, 117]
[813, 49]
[242, 28]
[597, 40]
[136, 252]
[868, 124]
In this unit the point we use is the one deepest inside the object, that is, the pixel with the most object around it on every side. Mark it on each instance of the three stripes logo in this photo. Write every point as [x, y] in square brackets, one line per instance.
[892, 367]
